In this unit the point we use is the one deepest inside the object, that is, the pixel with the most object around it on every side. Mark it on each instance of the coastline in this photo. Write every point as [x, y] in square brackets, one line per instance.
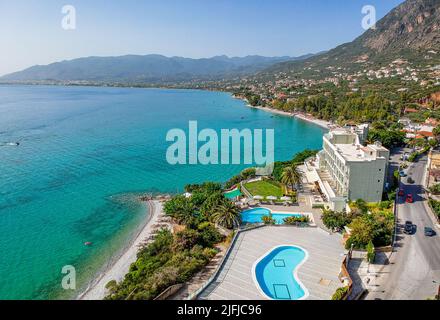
[321, 123]
[120, 267]
[121, 264]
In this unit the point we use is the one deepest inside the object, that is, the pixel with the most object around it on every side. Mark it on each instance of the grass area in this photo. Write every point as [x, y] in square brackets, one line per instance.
[265, 188]
[384, 206]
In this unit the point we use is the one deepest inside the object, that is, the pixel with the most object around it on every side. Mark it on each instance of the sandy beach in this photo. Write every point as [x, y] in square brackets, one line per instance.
[318, 122]
[322, 123]
[120, 267]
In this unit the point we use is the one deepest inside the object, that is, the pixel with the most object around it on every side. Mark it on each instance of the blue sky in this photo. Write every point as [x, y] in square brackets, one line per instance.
[31, 30]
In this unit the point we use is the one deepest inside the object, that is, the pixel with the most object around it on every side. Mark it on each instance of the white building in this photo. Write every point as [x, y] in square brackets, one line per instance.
[347, 170]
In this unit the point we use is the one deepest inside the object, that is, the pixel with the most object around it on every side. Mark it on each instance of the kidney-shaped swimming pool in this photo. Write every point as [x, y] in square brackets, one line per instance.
[275, 274]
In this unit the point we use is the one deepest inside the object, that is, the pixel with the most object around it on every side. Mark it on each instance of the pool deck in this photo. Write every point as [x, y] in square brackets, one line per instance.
[319, 273]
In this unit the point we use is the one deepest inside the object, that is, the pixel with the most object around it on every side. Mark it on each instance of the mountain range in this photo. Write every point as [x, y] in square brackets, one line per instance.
[408, 31]
[146, 68]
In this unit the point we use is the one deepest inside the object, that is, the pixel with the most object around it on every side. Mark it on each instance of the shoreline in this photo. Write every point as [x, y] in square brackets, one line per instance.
[120, 267]
[122, 262]
[321, 123]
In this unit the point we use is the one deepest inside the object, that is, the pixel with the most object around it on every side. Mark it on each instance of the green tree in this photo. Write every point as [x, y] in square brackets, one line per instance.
[335, 220]
[227, 215]
[208, 207]
[208, 234]
[361, 232]
[181, 209]
[291, 176]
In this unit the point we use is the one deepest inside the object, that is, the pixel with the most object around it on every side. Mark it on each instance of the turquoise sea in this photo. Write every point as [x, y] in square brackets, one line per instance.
[84, 153]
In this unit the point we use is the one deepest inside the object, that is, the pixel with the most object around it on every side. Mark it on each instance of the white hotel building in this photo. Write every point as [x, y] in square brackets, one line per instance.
[347, 170]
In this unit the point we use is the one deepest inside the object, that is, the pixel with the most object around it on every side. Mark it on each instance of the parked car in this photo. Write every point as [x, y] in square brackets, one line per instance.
[409, 227]
[410, 180]
[401, 193]
[429, 232]
[402, 174]
[409, 198]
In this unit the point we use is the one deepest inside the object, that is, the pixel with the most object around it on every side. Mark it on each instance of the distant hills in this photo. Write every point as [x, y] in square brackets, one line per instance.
[146, 69]
[409, 31]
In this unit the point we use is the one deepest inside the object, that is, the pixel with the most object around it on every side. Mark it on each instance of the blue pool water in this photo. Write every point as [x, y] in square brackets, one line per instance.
[274, 273]
[233, 194]
[255, 215]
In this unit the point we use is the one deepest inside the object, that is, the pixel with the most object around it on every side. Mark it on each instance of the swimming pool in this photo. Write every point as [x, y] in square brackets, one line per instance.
[233, 194]
[255, 215]
[275, 274]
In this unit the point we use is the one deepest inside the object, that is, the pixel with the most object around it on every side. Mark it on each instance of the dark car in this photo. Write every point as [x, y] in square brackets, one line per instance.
[401, 193]
[409, 227]
[410, 180]
[429, 232]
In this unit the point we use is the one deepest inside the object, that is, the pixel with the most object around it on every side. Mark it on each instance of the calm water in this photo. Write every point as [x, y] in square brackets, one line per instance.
[276, 276]
[256, 215]
[84, 152]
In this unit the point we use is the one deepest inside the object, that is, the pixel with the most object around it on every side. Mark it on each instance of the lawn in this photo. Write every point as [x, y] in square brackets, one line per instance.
[264, 188]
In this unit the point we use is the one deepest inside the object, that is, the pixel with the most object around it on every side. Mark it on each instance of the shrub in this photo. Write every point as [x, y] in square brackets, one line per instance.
[413, 156]
[204, 187]
[386, 204]
[435, 205]
[180, 208]
[111, 286]
[168, 260]
[209, 234]
[335, 220]
[435, 189]
[298, 158]
[294, 220]
[268, 220]
[244, 175]
[340, 293]
[376, 227]
[371, 254]
[186, 239]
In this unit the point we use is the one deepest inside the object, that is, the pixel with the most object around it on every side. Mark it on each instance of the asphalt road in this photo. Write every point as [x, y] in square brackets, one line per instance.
[414, 269]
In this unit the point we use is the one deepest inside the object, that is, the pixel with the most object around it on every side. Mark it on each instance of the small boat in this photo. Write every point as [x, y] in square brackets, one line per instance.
[88, 244]
[12, 144]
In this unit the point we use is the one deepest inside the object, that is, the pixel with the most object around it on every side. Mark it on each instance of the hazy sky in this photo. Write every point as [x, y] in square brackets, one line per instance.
[31, 32]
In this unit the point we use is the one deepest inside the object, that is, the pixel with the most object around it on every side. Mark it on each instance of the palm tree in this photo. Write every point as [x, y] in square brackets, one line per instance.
[226, 215]
[291, 175]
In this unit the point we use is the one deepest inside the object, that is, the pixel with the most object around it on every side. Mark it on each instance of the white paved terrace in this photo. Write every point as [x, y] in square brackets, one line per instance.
[319, 273]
